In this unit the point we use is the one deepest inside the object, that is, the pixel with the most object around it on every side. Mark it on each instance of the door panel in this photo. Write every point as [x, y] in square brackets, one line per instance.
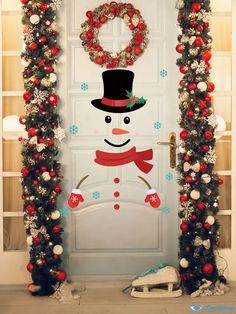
[104, 238]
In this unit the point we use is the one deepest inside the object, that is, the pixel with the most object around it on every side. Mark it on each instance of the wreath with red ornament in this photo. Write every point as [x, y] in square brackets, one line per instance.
[100, 16]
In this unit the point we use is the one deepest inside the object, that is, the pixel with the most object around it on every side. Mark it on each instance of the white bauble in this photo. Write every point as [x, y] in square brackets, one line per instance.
[179, 4]
[46, 176]
[184, 263]
[29, 240]
[45, 82]
[55, 215]
[34, 19]
[202, 86]
[195, 195]
[206, 178]
[182, 149]
[57, 249]
[24, 62]
[52, 77]
[210, 220]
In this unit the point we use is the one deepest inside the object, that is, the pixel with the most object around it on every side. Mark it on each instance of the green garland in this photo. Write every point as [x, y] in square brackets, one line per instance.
[199, 185]
[41, 179]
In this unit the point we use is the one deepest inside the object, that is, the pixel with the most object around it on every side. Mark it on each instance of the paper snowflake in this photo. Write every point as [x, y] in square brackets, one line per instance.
[203, 15]
[59, 133]
[187, 210]
[200, 68]
[212, 120]
[56, 4]
[210, 157]
[29, 222]
[39, 96]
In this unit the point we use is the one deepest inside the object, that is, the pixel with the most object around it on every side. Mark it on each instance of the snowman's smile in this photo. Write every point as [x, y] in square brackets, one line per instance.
[117, 145]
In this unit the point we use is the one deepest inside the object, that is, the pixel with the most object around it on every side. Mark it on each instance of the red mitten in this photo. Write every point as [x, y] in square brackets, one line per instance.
[152, 198]
[75, 198]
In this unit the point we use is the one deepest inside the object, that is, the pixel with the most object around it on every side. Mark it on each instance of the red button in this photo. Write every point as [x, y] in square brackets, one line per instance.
[116, 194]
[116, 180]
[116, 206]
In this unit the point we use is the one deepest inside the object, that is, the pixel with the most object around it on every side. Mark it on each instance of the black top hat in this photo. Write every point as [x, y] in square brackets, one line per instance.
[118, 95]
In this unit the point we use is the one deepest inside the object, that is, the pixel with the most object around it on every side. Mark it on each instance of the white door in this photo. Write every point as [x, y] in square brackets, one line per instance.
[114, 232]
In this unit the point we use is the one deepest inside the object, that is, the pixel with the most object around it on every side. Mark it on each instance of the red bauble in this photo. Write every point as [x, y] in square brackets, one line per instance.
[35, 182]
[199, 42]
[56, 228]
[57, 188]
[192, 22]
[43, 168]
[27, 96]
[99, 60]
[49, 68]
[138, 51]
[36, 156]
[43, 39]
[196, 6]
[130, 62]
[205, 112]
[41, 140]
[200, 28]
[208, 135]
[192, 86]
[97, 24]
[184, 135]
[30, 267]
[201, 206]
[206, 55]
[55, 256]
[188, 179]
[220, 181]
[51, 142]
[36, 81]
[103, 19]
[187, 249]
[22, 119]
[205, 148]
[30, 209]
[186, 158]
[25, 171]
[24, 1]
[203, 167]
[206, 24]
[141, 26]
[52, 173]
[210, 87]
[179, 48]
[32, 131]
[193, 217]
[183, 198]
[189, 113]
[184, 227]
[61, 275]
[44, 6]
[130, 13]
[53, 99]
[181, 83]
[217, 243]
[183, 69]
[89, 35]
[207, 225]
[105, 58]
[208, 98]
[128, 49]
[207, 269]
[54, 50]
[89, 14]
[37, 240]
[33, 46]
[202, 104]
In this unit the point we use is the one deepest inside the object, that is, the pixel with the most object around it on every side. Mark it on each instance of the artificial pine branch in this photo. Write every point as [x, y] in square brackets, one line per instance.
[41, 179]
[199, 185]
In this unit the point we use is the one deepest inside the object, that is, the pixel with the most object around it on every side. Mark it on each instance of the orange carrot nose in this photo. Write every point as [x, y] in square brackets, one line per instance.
[119, 131]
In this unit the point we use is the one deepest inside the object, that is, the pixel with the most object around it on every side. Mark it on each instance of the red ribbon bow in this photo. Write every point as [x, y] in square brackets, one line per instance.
[118, 159]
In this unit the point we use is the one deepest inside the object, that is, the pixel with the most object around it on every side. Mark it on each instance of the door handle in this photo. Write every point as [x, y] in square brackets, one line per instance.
[173, 147]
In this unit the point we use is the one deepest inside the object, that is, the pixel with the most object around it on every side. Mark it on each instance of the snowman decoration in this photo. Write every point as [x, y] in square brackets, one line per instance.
[118, 98]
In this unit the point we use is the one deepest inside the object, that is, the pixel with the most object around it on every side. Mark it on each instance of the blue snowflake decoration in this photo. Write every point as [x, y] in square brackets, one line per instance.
[166, 210]
[73, 129]
[157, 125]
[96, 195]
[169, 176]
[84, 86]
[163, 73]
[64, 211]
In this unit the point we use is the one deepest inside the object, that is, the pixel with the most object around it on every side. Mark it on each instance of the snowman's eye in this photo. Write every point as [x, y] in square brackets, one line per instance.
[108, 119]
[126, 120]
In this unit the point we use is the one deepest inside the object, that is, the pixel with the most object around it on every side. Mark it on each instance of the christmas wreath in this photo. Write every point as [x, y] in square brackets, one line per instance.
[100, 16]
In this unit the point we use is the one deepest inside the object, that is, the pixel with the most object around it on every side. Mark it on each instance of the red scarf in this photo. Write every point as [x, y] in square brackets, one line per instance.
[118, 159]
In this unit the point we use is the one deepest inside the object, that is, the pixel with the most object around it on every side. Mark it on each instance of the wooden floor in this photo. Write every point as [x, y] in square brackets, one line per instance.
[106, 298]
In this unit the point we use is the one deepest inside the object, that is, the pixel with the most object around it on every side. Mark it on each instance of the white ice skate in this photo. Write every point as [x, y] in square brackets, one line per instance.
[164, 283]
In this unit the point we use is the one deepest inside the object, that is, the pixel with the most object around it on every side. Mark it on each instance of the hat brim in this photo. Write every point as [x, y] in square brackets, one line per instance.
[97, 104]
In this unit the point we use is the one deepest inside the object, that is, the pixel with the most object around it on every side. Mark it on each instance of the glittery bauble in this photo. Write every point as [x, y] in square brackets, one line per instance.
[52, 77]
[184, 96]
[29, 240]
[206, 178]
[55, 215]
[34, 19]
[195, 195]
[184, 263]
[202, 86]
[210, 220]
[57, 249]
[46, 176]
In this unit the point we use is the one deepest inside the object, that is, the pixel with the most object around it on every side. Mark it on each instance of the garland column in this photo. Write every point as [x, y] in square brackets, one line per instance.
[199, 196]
[41, 179]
